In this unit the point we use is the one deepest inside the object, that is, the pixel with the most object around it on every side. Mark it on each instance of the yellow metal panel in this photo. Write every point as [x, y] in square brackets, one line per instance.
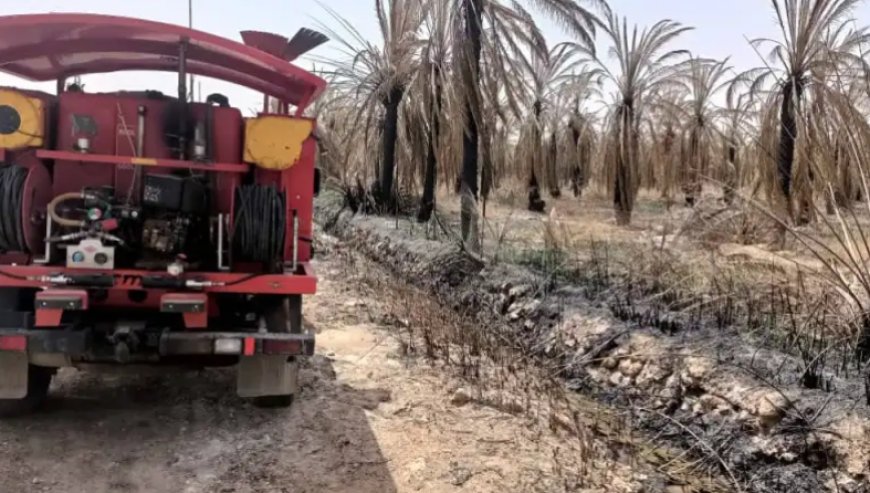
[275, 142]
[30, 131]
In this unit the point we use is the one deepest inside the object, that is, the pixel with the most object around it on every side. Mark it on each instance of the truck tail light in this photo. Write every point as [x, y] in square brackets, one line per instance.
[282, 347]
[13, 343]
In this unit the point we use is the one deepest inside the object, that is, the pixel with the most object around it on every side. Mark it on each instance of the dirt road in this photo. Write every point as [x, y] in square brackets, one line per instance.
[369, 420]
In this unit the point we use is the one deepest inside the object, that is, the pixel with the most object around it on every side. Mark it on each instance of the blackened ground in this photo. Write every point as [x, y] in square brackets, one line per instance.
[371, 419]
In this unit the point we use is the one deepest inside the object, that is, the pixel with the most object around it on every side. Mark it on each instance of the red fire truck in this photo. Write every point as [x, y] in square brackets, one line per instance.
[140, 228]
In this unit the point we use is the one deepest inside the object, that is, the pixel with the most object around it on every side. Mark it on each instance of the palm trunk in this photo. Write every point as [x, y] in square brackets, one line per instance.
[693, 185]
[733, 174]
[552, 168]
[485, 177]
[486, 171]
[473, 12]
[792, 92]
[586, 150]
[577, 169]
[846, 192]
[535, 202]
[386, 195]
[624, 188]
[427, 203]
[668, 169]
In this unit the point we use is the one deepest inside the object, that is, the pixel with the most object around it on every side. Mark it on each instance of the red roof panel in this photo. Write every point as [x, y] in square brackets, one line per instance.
[44, 47]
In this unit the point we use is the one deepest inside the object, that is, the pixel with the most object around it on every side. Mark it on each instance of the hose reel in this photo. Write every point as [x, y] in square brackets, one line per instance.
[260, 225]
[24, 193]
[11, 191]
[22, 120]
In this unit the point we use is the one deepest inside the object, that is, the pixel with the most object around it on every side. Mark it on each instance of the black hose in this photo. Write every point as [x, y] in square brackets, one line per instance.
[12, 180]
[260, 225]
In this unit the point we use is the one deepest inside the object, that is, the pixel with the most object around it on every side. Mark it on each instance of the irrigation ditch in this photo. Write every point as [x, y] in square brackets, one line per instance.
[728, 406]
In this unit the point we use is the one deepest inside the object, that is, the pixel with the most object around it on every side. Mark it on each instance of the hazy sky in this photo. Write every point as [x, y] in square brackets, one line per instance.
[721, 28]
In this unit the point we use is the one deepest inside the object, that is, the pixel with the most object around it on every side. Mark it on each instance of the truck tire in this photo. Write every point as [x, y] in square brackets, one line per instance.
[38, 381]
[282, 314]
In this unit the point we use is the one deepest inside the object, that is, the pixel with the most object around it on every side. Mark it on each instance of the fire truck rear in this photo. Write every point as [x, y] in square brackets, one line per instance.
[139, 228]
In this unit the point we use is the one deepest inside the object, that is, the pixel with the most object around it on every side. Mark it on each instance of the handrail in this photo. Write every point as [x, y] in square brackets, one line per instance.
[139, 161]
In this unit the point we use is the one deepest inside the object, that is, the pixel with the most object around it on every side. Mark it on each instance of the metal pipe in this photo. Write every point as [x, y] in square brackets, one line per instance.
[209, 133]
[190, 25]
[182, 70]
[46, 257]
[182, 97]
[295, 241]
[140, 132]
[220, 245]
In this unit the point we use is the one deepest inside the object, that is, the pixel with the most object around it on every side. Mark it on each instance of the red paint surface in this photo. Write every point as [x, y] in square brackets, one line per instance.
[13, 343]
[48, 317]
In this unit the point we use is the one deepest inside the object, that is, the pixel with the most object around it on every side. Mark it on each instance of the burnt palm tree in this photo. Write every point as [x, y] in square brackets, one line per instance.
[377, 76]
[643, 67]
[583, 142]
[433, 81]
[550, 75]
[502, 30]
[736, 125]
[702, 80]
[816, 39]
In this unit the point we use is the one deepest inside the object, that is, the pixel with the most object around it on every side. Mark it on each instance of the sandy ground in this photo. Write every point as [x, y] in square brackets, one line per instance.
[369, 420]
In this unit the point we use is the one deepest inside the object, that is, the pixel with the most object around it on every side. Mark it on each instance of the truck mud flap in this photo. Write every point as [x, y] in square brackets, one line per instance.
[13, 375]
[267, 375]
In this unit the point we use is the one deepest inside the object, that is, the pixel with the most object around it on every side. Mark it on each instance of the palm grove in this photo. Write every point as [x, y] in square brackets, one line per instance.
[471, 96]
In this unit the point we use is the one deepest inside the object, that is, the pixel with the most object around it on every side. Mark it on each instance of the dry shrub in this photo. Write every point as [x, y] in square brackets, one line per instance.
[712, 224]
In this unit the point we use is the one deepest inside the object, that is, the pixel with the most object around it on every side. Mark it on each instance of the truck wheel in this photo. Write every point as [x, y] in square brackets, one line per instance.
[38, 381]
[282, 314]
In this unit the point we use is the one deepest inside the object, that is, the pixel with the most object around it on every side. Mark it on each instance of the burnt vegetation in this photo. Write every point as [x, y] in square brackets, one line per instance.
[739, 197]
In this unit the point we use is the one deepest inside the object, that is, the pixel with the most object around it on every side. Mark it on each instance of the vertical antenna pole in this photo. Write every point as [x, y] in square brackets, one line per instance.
[182, 98]
[191, 86]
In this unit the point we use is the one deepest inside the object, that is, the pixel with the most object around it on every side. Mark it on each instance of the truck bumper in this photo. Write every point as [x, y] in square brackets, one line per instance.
[76, 344]
[266, 365]
[232, 343]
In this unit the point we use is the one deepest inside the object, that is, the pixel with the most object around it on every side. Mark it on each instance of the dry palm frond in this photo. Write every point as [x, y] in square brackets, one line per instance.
[816, 42]
[377, 76]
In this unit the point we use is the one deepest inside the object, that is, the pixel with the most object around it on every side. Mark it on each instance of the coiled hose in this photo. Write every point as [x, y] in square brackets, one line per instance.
[12, 180]
[260, 225]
